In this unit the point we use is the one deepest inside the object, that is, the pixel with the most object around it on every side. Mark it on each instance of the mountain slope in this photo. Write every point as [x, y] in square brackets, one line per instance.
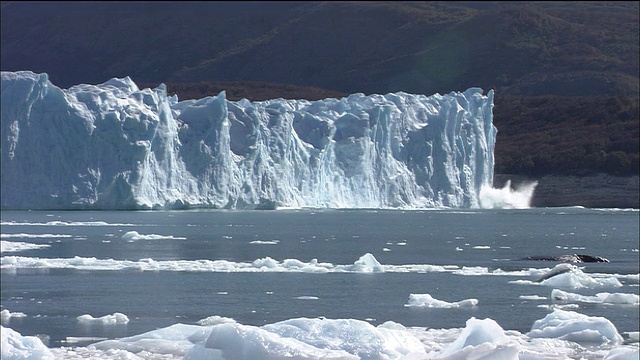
[516, 48]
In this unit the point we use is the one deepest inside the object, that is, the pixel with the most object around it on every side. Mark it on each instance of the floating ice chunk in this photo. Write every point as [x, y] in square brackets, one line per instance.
[266, 263]
[426, 300]
[481, 339]
[265, 242]
[311, 267]
[557, 270]
[304, 338]
[532, 297]
[34, 236]
[367, 263]
[18, 347]
[174, 340]
[134, 235]
[236, 341]
[619, 298]
[599, 298]
[355, 337]
[572, 326]
[15, 246]
[116, 318]
[5, 315]
[570, 276]
[561, 307]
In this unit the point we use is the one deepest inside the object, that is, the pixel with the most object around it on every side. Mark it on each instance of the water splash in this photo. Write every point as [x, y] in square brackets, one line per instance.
[507, 197]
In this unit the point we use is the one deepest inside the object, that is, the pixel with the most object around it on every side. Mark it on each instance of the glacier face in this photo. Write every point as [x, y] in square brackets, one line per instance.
[115, 146]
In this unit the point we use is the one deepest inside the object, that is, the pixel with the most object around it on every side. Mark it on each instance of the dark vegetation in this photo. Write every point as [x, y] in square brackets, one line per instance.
[567, 135]
[565, 73]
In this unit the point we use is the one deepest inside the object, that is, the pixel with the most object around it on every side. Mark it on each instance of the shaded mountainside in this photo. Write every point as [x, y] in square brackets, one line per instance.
[565, 74]
[516, 48]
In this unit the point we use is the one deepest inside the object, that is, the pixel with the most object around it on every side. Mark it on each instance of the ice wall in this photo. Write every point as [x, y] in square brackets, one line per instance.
[115, 146]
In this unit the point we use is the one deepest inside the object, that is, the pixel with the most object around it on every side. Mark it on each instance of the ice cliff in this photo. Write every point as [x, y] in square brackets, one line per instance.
[115, 146]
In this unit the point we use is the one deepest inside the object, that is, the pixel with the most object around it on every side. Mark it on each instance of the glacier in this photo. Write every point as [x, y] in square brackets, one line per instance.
[114, 146]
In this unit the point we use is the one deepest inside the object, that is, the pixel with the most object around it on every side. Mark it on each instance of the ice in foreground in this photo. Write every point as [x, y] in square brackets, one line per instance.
[115, 146]
[560, 335]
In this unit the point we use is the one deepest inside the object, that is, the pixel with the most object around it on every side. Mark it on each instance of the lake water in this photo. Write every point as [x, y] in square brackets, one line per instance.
[161, 268]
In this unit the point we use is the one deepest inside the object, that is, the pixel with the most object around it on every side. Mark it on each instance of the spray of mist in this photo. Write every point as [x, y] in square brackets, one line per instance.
[507, 197]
